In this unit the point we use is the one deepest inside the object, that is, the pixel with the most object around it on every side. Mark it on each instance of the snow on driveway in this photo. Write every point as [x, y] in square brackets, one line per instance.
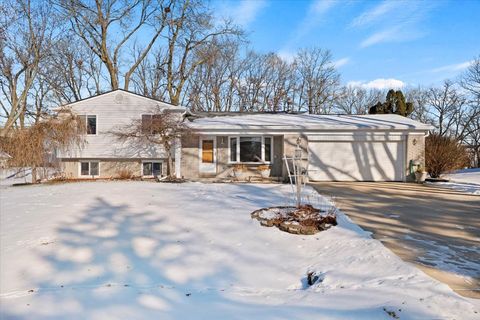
[140, 250]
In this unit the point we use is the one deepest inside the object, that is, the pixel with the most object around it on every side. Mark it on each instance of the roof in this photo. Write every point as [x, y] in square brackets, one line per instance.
[308, 122]
[61, 108]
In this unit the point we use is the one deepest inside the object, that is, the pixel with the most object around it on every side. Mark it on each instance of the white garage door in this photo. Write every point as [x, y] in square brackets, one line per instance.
[356, 160]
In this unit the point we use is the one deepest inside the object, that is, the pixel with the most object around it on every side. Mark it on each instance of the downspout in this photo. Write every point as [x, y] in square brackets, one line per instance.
[178, 158]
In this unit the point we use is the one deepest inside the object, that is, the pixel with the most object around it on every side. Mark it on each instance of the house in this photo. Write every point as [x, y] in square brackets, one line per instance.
[335, 147]
[105, 156]
[243, 146]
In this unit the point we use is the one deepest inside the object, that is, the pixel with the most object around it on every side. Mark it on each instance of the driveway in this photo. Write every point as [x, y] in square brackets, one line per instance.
[436, 229]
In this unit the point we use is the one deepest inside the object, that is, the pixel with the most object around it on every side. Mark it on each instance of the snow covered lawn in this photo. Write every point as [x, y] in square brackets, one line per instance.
[466, 181]
[140, 250]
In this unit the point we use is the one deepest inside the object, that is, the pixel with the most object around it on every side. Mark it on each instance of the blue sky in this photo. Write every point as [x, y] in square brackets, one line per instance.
[407, 43]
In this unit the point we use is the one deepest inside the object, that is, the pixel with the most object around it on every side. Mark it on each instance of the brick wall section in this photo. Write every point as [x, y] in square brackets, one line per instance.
[189, 164]
[415, 152]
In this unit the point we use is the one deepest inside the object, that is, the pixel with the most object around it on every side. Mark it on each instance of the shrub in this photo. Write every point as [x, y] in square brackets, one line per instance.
[124, 174]
[443, 154]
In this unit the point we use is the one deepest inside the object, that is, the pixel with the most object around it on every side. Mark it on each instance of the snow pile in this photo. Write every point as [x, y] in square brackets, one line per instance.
[140, 250]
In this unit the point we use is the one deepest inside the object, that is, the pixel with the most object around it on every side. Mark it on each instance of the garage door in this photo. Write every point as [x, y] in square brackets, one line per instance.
[356, 160]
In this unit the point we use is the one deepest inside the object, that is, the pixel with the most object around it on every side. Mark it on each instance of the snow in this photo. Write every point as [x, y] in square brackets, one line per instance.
[466, 176]
[466, 181]
[282, 121]
[144, 250]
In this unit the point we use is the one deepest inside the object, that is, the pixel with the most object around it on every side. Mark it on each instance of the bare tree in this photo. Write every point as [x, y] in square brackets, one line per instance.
[318, 80]
[73, 71]
[470, 80]
[356, 100]
[160, 128]
[107, 26]
[214, 84]
[25, 41]
[35, 145]
[445, 105]
[190, 30]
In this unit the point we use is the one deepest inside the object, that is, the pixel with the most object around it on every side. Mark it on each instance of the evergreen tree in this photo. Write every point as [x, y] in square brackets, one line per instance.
[394, 103]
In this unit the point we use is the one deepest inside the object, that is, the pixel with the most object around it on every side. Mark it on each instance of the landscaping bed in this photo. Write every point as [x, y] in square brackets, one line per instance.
[302, 220]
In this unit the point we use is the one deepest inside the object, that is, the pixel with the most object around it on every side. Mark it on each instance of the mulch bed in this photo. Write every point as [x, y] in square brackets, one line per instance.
[303, 220]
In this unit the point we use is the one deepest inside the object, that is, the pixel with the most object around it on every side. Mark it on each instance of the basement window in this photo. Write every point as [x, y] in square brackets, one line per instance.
[90, 168]
[152, 169]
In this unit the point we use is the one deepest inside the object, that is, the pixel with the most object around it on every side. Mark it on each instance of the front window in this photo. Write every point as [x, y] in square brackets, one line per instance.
[152, 168]
[90, 168]
[250, 149]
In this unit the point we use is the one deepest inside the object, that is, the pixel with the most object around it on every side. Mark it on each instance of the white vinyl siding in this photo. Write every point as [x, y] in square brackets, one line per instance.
[112, 114]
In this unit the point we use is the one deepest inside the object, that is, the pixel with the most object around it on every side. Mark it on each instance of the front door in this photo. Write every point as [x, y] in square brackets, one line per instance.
[207, 155]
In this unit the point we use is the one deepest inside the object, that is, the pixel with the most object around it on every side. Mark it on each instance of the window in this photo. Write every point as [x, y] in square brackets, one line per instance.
[90, 123]
[90, 168]
[267, 150]
[233, 149]
[152, 168]
[250, 149]
[151, 123]
[207, 151]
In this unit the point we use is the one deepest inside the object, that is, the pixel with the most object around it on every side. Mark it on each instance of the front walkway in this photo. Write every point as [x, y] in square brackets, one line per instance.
[436, 229]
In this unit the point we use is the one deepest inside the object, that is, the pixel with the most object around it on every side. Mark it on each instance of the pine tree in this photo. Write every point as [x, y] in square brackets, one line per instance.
[394, 103]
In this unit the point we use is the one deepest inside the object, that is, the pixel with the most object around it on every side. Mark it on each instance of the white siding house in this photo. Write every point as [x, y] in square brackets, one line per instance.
[103, 155]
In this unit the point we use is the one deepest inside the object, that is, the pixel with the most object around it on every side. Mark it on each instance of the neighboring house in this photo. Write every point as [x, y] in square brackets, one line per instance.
[244, 146]
[105, 156]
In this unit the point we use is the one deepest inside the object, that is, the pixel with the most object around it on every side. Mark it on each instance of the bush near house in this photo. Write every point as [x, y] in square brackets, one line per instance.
[443, 154]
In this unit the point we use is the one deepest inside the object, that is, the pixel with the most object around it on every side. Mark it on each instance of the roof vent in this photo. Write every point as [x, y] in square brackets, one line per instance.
[118, 98]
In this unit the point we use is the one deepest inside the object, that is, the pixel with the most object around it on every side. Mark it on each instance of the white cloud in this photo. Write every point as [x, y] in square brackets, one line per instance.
[376, 13]
[378, 37]
[453, 67]
[341, 62]
[286, 55]
[393, 21]
[380, 84]
[244, 12]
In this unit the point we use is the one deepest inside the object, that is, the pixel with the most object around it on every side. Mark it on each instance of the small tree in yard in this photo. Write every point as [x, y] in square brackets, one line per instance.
[160, 127]
[35, 146]
[443, 154]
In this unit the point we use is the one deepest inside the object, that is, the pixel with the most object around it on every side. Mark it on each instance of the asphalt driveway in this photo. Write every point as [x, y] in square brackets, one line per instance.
[436, 229]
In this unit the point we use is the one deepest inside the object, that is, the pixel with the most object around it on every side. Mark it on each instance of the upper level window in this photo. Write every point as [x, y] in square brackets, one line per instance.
[250, 149]
[90, 123]
[150, 123]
